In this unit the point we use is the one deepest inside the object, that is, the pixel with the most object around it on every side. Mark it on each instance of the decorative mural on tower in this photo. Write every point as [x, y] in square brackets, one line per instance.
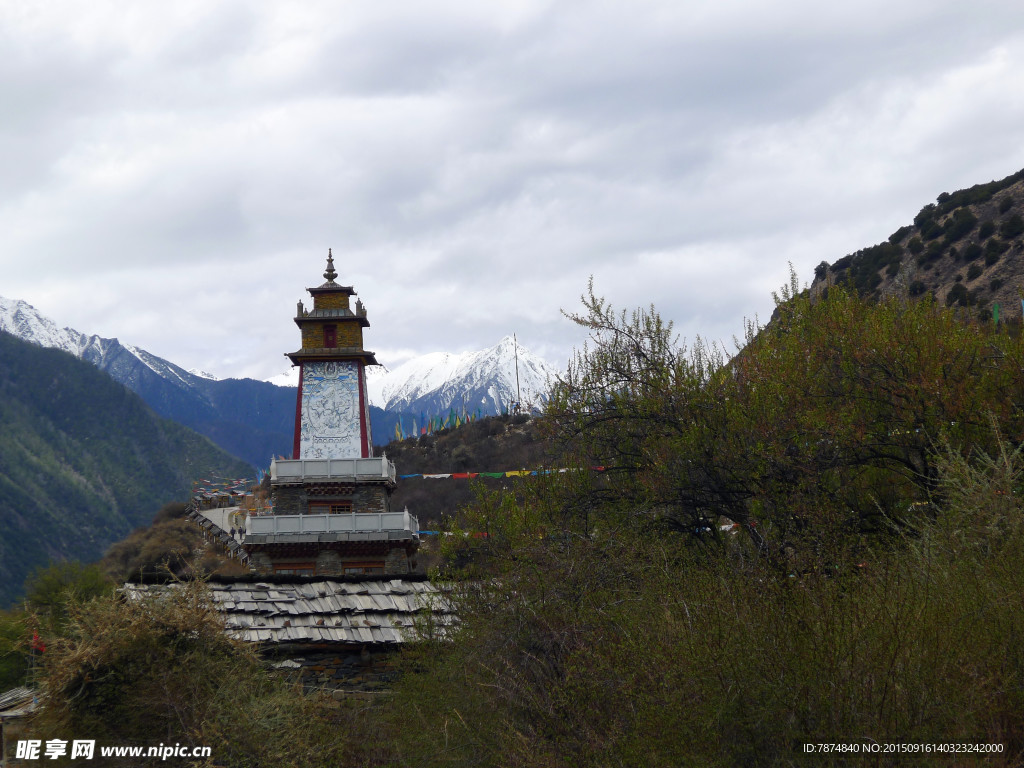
[330, 410]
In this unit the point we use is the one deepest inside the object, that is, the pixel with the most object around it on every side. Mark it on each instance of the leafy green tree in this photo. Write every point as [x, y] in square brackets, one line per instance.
[16, 649]
[818, 430]
[599, 638]
[50, 591]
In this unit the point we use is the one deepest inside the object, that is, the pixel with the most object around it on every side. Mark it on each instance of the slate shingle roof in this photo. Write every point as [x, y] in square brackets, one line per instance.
[18, 702]
[327, 611]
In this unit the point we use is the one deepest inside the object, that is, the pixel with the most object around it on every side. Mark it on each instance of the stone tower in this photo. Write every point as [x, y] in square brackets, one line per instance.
[332, 511]
[332, 418]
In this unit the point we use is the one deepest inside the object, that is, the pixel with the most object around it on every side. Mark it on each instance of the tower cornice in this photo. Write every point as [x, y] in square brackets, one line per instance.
[332, 353]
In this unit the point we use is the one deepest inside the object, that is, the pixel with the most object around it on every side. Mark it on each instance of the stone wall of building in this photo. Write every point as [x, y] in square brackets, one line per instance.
[343, 670]
[260, 562]
[329, 563]
[365, 497]
[332, 300]
[371, 498]
[290, 500]
[397, 562]
[348, 334]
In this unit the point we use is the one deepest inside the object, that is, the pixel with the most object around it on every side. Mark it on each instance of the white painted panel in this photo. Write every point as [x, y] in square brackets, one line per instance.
[331, 417]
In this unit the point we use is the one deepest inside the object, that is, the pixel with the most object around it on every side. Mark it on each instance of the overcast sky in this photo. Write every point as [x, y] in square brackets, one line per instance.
[174, 173]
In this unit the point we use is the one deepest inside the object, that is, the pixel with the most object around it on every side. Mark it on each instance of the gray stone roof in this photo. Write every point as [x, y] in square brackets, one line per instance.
[382, 612]
[18, 702]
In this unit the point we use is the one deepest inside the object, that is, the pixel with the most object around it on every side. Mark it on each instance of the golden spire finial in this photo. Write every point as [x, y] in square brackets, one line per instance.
[330, 274]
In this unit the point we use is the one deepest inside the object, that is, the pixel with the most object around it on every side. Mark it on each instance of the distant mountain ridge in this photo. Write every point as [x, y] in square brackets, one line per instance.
[250, 419]
[82, 460]
[254, 420]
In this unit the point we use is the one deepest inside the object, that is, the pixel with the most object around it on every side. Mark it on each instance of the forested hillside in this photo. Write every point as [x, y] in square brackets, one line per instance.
[492, 444]
[82, 460]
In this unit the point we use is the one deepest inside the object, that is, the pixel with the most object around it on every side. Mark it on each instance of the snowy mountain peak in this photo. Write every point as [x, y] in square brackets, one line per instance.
[26, 322]
[122, 361]
[439, 381]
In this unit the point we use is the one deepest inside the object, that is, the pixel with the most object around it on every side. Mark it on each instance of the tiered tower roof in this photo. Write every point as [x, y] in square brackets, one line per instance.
[332, 329]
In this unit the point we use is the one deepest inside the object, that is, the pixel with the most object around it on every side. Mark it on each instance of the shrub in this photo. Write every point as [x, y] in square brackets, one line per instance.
[993, 249]
[973, 272]
[821, 271]
[15, 654]
[925, 215]
[957, 295]
[915, 246]
[931, 230]
[1005, 203]
[972, 252]
[632, 650]
[986, 229]
[1012, 227]
[165, 669]
[961, 223]
[979, 193]
[842, 263]
[899, 234]
[916, 288]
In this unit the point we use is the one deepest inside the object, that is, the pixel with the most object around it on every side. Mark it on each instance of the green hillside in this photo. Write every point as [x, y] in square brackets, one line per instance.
[82, 461]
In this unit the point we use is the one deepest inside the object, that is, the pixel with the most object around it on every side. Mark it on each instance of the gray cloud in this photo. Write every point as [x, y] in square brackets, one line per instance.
[174, 175]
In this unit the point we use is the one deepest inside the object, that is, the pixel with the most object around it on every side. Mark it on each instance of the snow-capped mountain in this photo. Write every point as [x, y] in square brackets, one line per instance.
[250, 419]
[120, 360]
[255, 419]
[439, 381]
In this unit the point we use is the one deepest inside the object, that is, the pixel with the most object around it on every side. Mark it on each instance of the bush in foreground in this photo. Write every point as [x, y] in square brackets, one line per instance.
[166, 671]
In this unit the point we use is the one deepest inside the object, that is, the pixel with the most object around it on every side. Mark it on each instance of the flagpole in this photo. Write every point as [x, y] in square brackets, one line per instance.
[519, 397]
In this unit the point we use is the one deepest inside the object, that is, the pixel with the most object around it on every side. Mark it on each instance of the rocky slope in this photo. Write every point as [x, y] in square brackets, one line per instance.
[965, 249]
